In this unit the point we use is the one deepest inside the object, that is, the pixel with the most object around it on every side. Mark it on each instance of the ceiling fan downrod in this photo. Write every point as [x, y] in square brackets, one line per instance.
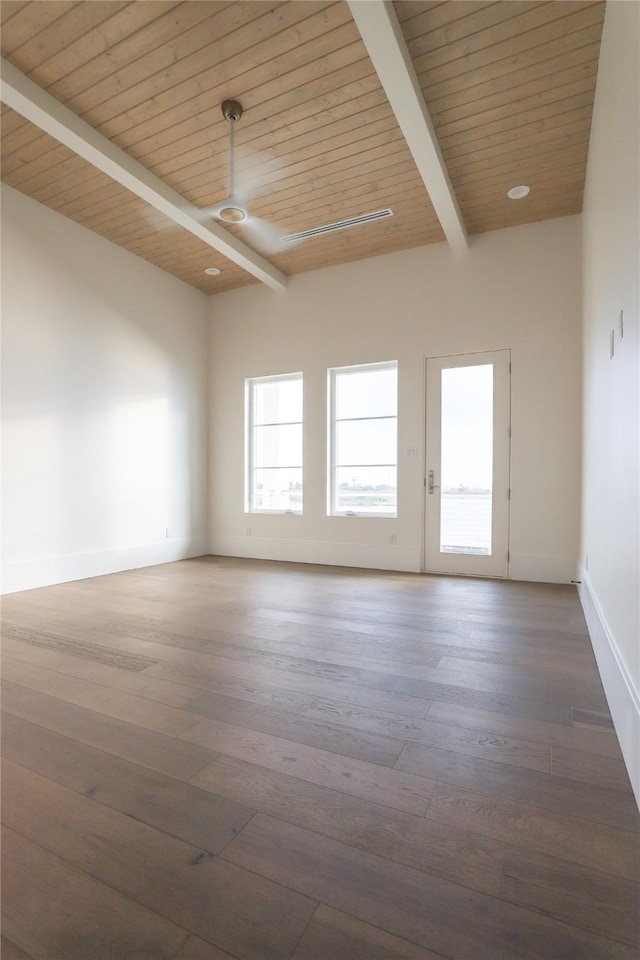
[233, 213]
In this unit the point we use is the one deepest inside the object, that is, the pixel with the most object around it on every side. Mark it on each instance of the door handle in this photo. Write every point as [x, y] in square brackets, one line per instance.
[432, 485]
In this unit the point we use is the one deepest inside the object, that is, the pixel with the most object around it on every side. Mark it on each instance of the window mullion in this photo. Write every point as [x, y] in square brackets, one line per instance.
[389, 416]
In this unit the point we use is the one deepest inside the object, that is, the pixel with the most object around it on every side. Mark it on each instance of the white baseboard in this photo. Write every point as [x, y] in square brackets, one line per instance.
[539, 568]
[542, 568]
[45, 571]
[622, 697]
[367, 555]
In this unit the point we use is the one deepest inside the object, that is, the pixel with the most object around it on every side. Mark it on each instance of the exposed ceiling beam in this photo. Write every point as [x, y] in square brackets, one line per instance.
[382, 35]
[35, 104]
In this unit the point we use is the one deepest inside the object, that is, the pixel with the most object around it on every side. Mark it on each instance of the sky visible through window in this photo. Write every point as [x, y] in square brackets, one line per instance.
[467, 428]
[466, 459]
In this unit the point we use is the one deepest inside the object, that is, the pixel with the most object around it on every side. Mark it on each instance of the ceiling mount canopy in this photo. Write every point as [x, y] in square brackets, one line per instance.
[232, 111]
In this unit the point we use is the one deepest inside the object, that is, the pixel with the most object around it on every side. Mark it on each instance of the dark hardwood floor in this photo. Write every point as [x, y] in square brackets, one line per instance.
[226, 758]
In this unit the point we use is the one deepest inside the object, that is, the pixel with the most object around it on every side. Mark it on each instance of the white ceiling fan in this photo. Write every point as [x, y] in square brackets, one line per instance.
[233, 209]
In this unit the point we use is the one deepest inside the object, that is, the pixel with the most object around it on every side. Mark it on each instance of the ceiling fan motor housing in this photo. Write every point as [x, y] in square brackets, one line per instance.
[231, 110]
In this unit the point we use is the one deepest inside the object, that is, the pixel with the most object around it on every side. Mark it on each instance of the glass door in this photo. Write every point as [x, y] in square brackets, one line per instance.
[468, 411]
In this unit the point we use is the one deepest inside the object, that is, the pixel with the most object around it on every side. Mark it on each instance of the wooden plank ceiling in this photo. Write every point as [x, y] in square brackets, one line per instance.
[509, 87]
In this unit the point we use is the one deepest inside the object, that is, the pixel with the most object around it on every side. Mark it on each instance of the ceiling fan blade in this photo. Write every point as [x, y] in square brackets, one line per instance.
[265, 234]
[254, 173]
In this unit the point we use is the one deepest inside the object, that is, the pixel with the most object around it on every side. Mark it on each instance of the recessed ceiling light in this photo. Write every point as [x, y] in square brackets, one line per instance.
[212, 271]
[517, 193]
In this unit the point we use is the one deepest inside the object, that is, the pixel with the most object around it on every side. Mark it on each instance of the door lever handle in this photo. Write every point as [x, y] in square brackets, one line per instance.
[432, 485]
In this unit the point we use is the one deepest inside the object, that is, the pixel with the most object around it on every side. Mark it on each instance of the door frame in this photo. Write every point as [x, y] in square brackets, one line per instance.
[475, 568]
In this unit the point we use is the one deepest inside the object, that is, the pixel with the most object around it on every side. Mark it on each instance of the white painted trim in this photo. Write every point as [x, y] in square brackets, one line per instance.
[538, 569]
[622, 697]
[35, 104]
[542, 568]
[331, 553]
[382, 35]
[45, 571]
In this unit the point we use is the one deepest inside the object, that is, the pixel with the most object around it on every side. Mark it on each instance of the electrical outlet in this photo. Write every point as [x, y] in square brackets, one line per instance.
[393, 539]
[248, 531]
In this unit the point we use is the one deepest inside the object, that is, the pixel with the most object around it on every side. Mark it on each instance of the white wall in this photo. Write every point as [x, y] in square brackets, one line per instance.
[104, 412]
[611, 491]
[516, 288]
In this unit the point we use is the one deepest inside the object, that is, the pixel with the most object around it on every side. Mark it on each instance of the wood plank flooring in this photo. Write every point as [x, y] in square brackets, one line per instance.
[224, 758]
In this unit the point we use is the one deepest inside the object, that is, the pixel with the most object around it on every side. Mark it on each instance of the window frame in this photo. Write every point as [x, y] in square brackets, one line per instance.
[333, 466]
[250, 443]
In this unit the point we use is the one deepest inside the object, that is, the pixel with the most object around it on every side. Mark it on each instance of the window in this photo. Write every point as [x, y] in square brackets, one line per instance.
[363, 440]
[274, 444]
